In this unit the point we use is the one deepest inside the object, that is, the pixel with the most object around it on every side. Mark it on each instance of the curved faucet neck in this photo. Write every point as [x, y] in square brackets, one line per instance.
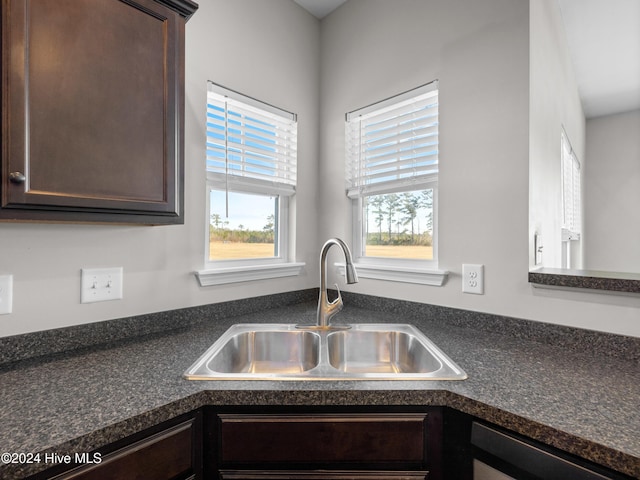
[323, 259]
[326, 309]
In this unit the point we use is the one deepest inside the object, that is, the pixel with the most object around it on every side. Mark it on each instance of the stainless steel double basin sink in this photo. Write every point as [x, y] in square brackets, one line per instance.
[362, 352]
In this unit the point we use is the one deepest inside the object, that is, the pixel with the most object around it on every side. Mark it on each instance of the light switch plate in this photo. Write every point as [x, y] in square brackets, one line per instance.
[6, 294]
[101, 284]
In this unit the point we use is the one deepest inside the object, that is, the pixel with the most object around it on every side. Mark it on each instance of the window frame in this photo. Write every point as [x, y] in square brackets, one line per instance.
[571, 204]
[222, 271]
[420, 271]
[572, 199]
[424, 272]
[281, 235]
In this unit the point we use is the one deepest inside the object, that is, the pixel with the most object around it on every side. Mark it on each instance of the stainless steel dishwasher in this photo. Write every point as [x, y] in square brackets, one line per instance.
[502, 456]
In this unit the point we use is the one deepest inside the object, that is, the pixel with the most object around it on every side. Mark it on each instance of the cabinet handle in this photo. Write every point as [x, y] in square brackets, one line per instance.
[17, 178]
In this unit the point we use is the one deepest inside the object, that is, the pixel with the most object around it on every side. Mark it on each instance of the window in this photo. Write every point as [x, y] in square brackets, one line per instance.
[249, 229]
[251, 177]
[392, 179]
[571, 204]
[571, 200]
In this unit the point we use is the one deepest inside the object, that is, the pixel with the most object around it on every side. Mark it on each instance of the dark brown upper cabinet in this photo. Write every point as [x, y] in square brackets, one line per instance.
[93, 110]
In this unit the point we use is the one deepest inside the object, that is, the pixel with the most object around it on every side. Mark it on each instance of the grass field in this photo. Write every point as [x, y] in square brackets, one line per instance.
[226, 251]
[230, 250]
[402, 251]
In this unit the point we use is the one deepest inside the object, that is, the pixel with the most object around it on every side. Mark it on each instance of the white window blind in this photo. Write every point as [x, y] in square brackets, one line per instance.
[250, 143]
[571, 199]
[393, 145]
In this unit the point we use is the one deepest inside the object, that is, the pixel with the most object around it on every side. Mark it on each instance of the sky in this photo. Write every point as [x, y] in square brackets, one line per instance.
[250, 211]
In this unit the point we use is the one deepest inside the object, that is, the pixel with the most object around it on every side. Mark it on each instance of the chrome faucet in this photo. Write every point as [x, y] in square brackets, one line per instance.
[326, 309]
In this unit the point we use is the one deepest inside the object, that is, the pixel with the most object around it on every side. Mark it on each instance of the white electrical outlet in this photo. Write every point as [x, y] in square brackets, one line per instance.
[473, 279]
[6, 294]
[101, 284]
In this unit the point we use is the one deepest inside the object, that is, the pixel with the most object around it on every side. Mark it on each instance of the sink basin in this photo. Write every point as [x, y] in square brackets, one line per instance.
[259, 350]
[364, 352]
[380, 352]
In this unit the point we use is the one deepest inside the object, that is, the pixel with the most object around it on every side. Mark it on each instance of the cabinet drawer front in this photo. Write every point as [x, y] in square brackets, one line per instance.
[320, 475]
[365, 439]
[165, 455]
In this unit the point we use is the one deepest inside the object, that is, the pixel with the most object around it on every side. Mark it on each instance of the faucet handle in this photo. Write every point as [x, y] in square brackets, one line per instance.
[338, 301]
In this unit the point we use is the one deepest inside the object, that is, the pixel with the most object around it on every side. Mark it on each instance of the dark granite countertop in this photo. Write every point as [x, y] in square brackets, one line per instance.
[621, 282]
[578, 401]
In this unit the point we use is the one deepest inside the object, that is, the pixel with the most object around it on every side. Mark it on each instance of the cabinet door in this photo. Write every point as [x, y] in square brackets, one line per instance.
[377, 441]
[92, 111]
[170, 454]
[321, 475]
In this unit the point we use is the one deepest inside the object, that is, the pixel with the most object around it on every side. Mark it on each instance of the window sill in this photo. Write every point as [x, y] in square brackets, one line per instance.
[422, 276]
[220, 276]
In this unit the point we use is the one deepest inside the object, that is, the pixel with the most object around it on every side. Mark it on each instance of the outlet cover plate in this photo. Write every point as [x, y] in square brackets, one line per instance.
[101, 284]
[473, 279]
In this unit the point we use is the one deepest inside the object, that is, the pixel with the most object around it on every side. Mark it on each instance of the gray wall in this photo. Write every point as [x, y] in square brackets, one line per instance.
[480, 53]
[612, 193]
[555, 104]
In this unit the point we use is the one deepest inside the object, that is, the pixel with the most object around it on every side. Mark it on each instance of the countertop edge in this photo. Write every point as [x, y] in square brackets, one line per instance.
[584, 448]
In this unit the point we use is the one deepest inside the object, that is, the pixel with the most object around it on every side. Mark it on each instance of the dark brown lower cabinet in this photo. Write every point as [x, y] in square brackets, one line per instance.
[321, 475]
[356, 443]
[322, 444]
[171, 451]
